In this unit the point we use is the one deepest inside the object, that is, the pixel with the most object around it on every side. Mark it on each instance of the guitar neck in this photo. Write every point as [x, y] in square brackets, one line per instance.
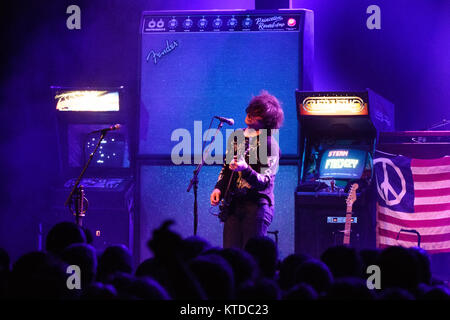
[348, 225]
[348, 217]
[227, 191]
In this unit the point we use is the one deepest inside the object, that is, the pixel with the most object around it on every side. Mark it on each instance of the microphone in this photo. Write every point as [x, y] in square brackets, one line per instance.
[226, 120]
[112, 128]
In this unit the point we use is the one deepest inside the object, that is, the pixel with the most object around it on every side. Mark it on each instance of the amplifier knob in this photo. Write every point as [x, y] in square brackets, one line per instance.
[187, 24]
[247, 23]
[173, 23]
[232, 22]
[202, 23]
[217, 23]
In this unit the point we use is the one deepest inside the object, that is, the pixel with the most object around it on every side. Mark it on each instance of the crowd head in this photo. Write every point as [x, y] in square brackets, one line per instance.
[193, 269]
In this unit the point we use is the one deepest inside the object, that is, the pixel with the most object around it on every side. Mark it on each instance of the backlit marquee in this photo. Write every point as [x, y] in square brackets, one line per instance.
[87, 100]
[333, 106]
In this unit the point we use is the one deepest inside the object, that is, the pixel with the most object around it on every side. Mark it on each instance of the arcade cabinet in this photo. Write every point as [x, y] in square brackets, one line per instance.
[337, 138]
[81, 114]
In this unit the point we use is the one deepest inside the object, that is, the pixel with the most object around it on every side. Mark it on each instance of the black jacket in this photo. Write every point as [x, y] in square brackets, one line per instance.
[257, 181]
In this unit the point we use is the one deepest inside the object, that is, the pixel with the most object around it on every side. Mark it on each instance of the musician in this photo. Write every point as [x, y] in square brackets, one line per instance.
[247, 179]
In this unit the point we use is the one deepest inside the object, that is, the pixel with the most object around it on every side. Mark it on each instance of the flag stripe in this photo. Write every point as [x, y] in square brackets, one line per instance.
[422, 230]
[431, 200]
[432, 185]
[407, 236]
[414, 216]
[413, 238]
[414, 223]
[429, 177]
[428, 170]
[432, 207]
[421, 193]
[444, 161]
[430, 251]
[426, 246]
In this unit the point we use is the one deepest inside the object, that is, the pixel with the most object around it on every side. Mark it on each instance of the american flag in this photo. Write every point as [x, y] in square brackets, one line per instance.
[413, 200]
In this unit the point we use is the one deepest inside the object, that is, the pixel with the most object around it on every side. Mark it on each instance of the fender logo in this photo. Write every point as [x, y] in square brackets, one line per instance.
[156, 56]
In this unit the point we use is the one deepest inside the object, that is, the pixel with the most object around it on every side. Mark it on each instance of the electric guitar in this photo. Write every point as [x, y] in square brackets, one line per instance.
[224, 206]
[351, 198]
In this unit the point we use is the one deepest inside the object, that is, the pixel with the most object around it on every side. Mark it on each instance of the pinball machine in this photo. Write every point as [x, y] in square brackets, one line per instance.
[337, 138]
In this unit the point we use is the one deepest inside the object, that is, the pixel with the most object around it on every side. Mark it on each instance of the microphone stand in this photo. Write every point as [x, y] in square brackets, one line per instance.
[76, 198]
[194, 180]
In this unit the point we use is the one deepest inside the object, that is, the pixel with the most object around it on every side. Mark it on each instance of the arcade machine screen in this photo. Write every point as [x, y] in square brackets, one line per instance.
[336, 162]
[113, 150]
[342, 163]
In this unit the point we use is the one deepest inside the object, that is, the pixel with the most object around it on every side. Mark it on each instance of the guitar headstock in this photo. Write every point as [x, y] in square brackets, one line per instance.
[351, 198]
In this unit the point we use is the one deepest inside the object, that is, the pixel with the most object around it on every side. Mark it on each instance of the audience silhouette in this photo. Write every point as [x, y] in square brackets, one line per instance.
[63, 235]
[114, 259]
[192, 269]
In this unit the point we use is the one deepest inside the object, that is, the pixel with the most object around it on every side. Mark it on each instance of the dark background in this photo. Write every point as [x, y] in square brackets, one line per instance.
[407, 62]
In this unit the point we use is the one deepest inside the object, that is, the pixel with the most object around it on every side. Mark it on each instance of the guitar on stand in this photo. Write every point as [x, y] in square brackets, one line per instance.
[351, 198]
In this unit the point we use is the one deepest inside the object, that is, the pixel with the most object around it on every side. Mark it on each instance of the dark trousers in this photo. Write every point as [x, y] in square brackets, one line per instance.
[248, 219]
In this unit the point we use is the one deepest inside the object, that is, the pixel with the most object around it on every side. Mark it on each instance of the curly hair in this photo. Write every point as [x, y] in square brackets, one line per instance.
[269, 108]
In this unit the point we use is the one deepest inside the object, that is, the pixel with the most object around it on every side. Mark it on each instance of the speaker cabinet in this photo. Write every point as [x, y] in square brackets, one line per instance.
[196, 65]
[320, 220]
[169, 200]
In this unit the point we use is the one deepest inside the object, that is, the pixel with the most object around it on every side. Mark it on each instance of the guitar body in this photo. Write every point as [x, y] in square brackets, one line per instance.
[224, 206]
[348, 217]
[224, 210]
